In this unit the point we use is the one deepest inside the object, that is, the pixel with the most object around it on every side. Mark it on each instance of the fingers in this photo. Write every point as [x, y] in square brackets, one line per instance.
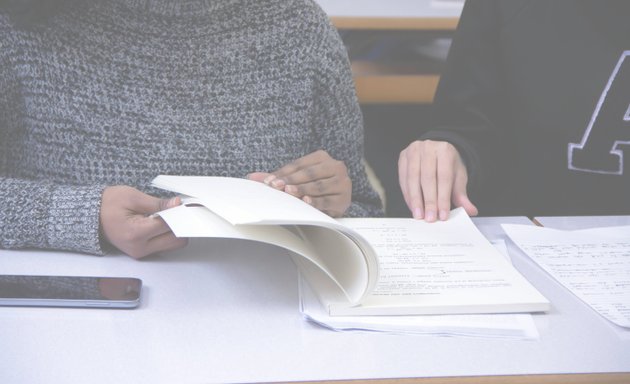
[164, 243]
[419, 165]
[409, 179]
[315, 165]
[312, 167]
[432, 176]
[445, 179]
[333, 185]
[152, 226]
[150, 236]
[258, 176]
[148, 227]
[307, 161]
[143, 203]
[140, 236]
[126, 222]
[317, 179]
[331, 195]
[428, 184]
[306, 181]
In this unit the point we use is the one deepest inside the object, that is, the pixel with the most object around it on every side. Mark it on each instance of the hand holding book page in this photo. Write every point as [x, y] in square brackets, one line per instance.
[594, 264]
[244, 209]
[446, 267]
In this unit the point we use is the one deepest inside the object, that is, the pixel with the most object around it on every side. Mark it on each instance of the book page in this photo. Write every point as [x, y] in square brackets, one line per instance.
[440, 268]
[249, 206]
[330, 259]
[510, 326]
[594, 264]
[518, 326]
[241, 201]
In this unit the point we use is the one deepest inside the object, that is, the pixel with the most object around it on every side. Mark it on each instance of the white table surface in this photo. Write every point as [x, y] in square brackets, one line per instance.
[228, 312]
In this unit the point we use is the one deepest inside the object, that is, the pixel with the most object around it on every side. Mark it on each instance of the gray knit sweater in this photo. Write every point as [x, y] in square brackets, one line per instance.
[120, 91]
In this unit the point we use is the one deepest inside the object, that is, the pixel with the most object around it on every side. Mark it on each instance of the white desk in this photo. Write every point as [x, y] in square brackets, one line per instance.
[226, 312]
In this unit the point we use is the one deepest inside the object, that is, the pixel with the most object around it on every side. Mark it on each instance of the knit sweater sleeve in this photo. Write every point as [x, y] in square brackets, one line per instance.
[337, 117]
[36, 213]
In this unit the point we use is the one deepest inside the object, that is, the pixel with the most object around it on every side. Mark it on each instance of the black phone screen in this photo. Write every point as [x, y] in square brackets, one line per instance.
[69, 288]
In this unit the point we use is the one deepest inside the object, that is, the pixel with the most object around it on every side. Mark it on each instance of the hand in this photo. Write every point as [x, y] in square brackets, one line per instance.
[126, 222]
[316, 178]
[432, 175]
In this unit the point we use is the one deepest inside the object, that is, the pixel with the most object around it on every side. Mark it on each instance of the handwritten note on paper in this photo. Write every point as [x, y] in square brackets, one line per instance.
[594, 264]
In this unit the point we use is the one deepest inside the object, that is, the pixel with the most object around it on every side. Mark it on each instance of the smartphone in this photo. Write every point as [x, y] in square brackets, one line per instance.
[70, 291]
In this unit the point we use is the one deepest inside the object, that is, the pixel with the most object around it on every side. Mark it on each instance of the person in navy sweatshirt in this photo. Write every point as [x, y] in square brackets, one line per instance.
[532, 114]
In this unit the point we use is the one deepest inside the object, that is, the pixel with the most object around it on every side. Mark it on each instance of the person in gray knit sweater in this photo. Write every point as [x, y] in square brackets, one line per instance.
[99, 97]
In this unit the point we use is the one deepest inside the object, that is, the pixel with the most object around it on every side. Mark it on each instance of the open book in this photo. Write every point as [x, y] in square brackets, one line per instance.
[421, 268]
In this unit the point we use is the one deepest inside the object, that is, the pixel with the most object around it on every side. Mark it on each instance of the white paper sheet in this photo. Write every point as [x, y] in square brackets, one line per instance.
[444, 268]
[508, 326]
[594, 264]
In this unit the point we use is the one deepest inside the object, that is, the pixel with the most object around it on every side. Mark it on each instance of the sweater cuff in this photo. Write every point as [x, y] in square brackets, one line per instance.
[74, 219]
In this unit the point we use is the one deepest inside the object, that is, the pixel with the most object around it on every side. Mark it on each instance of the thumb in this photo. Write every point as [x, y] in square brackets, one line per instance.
[460, 197]
[464, 202]
[168, 203]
